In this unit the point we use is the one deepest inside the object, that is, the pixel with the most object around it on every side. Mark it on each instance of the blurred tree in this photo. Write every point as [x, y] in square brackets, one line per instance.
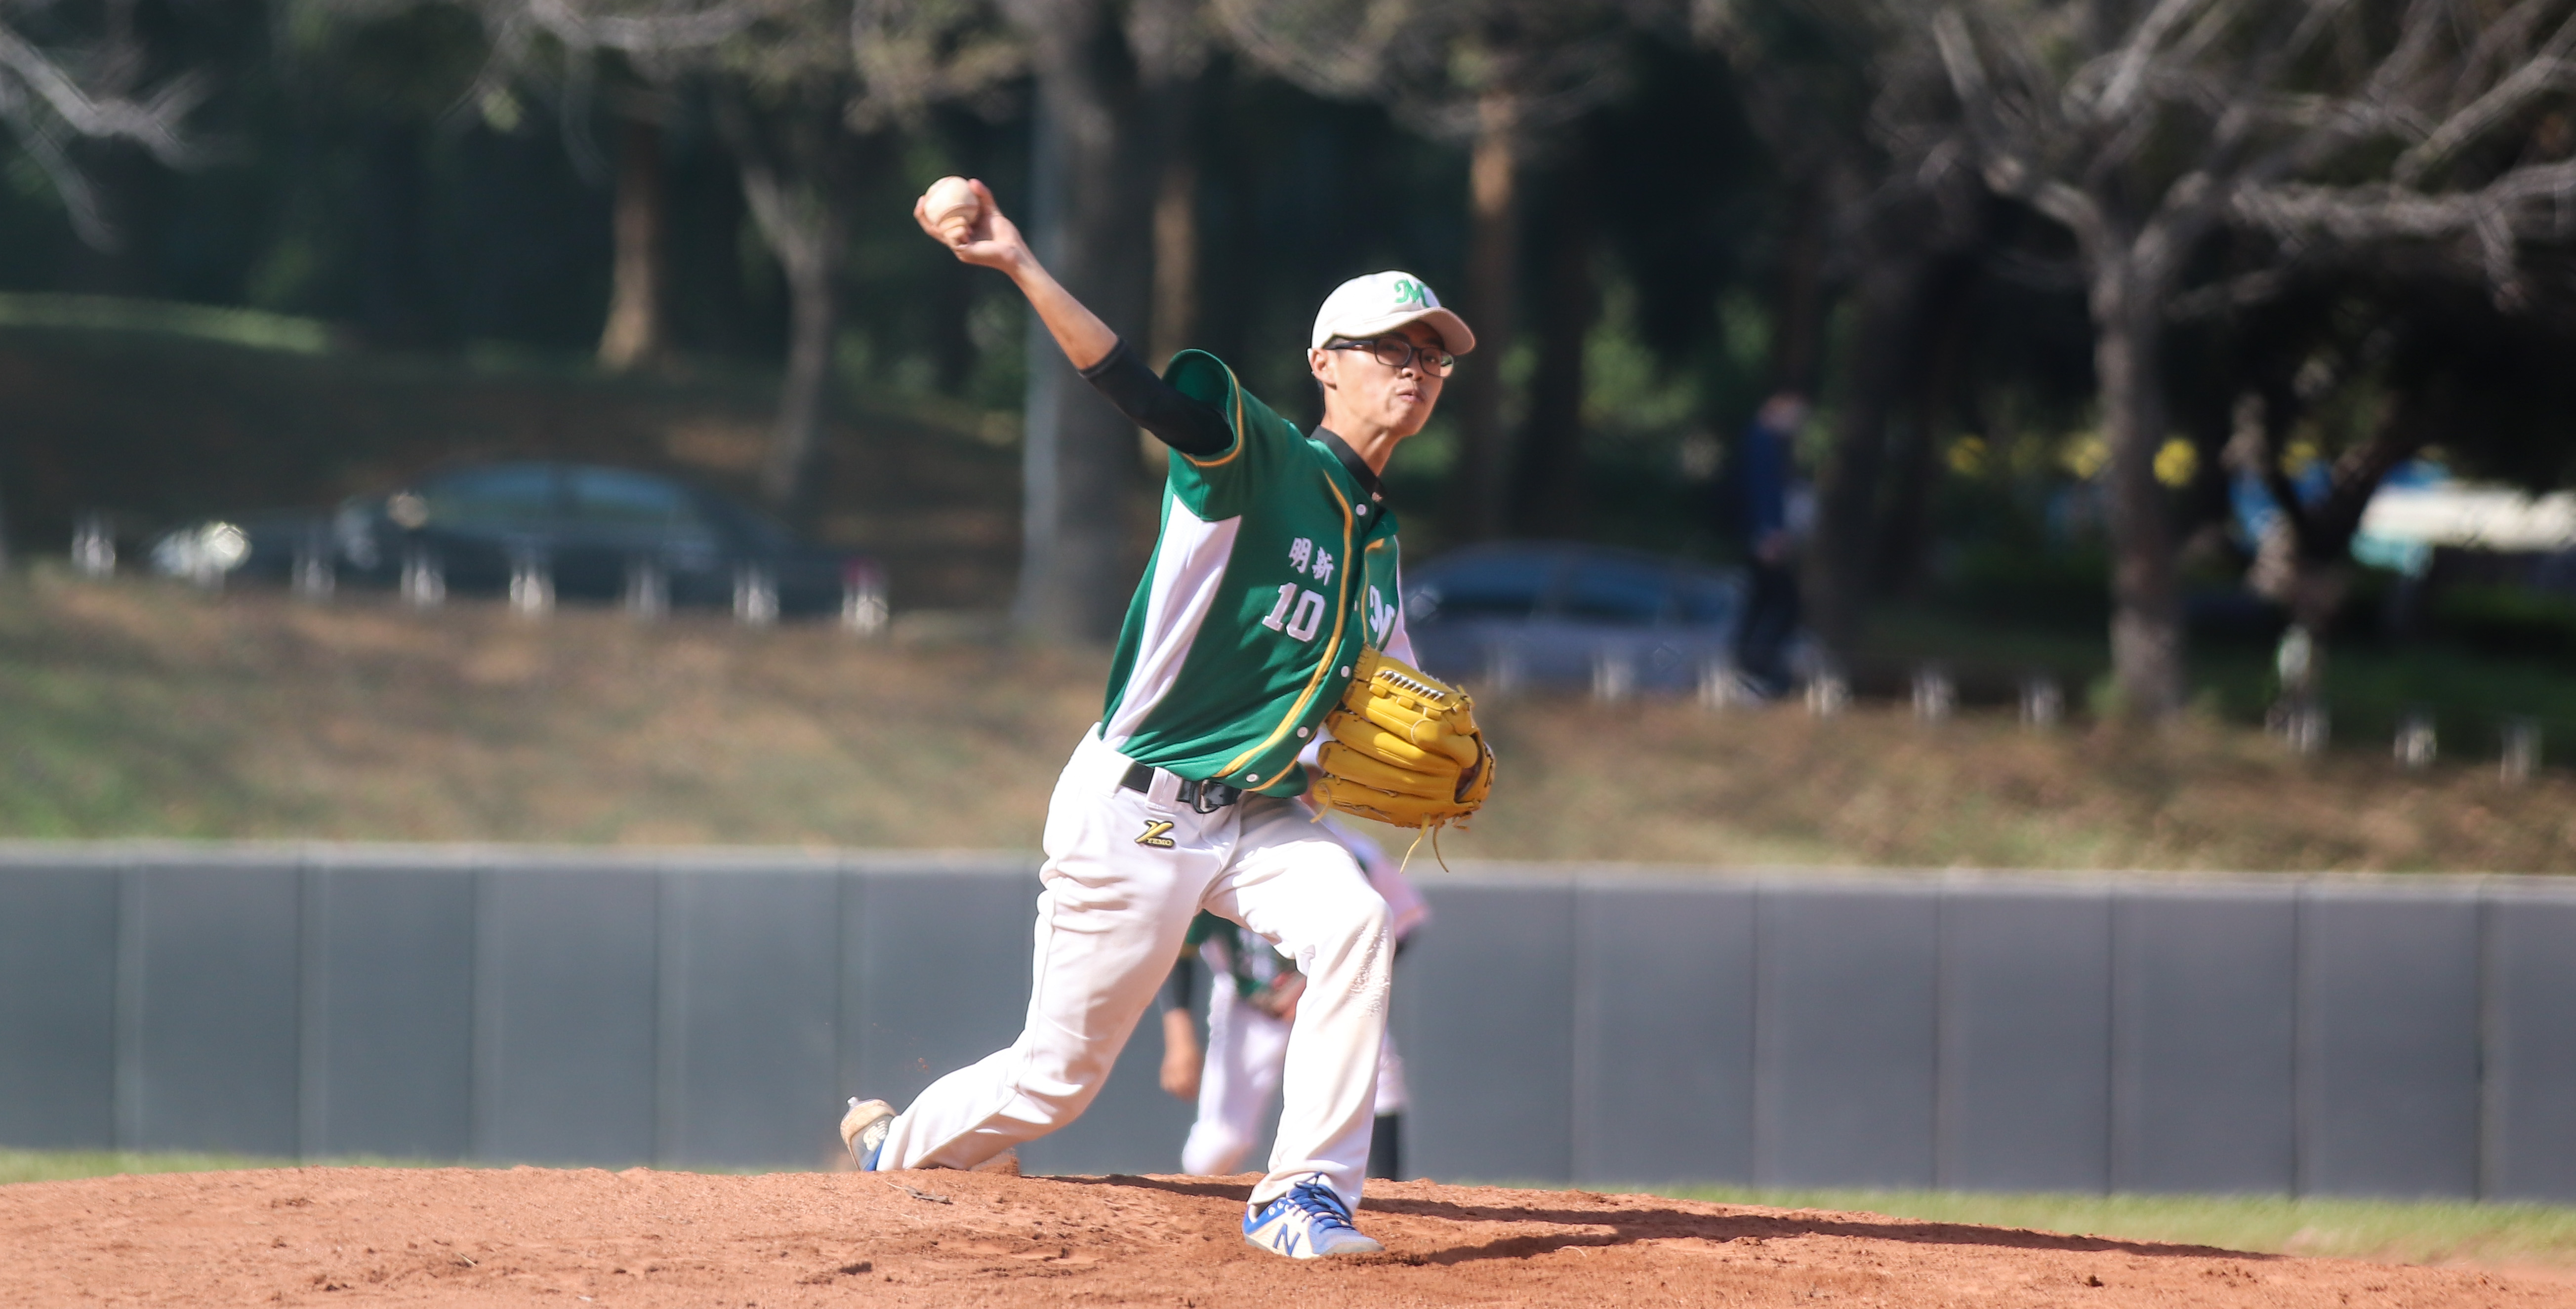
[638, 327]
[1545, 463]
[398, 72]
[796, 177]
[1500, 76]
[1808, 73]
[2363, 366]
[805, 94]
[1110, 80]
[808, 98]
[83, 91]
[1173, 46]
[1833, 87]
[2143, 128]
[636, 49]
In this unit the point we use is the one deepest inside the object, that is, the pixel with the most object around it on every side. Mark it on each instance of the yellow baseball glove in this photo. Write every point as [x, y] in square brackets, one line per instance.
[1404, 749]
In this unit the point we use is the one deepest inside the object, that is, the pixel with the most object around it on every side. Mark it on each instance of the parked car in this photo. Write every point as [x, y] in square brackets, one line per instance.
[1548, 613]
[590, 532]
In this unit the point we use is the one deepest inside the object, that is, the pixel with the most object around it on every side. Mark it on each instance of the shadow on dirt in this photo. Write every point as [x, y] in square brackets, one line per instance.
[1631, 1225]
[1205, 1188]
[1626, 1225]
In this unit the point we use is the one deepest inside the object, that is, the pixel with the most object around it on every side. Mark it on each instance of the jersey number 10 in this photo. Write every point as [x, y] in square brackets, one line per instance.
[1298, 613]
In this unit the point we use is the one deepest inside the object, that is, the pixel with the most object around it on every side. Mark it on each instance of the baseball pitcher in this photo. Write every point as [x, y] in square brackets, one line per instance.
[1264, 657]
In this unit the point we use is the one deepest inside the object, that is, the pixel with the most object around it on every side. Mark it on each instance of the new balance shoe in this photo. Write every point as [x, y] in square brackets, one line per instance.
[864, 1129]
[1310, 1222]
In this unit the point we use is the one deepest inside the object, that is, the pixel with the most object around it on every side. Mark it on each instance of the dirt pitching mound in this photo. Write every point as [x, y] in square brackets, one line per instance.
[539, 1236]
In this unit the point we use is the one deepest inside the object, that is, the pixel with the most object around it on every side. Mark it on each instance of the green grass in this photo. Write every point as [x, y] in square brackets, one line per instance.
[71, 1165]
[2407, 1231]
[65, 1165]
[100, 313]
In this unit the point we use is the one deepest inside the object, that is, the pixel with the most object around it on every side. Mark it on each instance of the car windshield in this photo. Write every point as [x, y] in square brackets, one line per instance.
[1487, 586]
[504, 495]
[1624, 591]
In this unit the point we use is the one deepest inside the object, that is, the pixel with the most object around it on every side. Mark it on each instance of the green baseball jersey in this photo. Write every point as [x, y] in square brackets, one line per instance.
[1276, 565]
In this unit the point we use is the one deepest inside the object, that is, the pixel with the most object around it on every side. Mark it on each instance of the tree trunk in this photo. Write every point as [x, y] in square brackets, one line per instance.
[1548, 499]
[634, 335]
[1916, 470]
[1889, 306]
[1176, 227]
[1479, 482]
[2146, 601]
[796, 221]
[710, 301]
[1797, 308]
[794, 165]
[1175, 308]
[1095, 194]
[804, 398]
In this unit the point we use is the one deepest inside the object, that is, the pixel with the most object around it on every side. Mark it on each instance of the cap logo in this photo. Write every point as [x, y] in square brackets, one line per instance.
[1410, 292]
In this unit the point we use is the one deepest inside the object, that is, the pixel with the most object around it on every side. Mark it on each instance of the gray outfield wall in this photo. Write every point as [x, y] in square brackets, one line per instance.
[2400, 1036]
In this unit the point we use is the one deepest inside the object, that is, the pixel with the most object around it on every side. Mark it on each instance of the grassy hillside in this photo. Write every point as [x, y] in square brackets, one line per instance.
[139, 709]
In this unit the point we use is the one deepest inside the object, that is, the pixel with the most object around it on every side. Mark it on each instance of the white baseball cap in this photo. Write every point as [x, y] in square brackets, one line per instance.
[1379, 303]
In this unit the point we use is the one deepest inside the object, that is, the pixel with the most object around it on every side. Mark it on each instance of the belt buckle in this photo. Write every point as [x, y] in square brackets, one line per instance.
[1207, 797]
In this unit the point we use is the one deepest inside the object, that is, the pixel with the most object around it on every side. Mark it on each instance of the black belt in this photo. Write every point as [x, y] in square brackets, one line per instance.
[1205, 797]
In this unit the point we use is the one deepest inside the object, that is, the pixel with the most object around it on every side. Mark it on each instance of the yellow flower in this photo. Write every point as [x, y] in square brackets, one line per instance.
[2176, 462]
[2083, 454]
[1968, 456]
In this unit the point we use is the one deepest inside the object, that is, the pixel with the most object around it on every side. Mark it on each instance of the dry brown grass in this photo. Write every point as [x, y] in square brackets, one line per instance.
[1667, 782]
[142, 710]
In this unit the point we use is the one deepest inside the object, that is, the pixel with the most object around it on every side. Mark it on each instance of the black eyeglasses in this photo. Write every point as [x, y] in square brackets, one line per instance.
[1396, 352]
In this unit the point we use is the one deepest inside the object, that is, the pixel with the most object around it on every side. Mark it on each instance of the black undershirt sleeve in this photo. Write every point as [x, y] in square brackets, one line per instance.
[1181, 987]
[1190, 426]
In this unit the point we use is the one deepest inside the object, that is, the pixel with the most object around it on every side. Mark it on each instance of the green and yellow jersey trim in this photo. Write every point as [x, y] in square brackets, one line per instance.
[1332, 651]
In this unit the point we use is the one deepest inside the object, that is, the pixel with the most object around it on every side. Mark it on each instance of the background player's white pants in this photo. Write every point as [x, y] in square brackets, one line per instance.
[1244, 1050]
[1241, 1069]
[1111, 918]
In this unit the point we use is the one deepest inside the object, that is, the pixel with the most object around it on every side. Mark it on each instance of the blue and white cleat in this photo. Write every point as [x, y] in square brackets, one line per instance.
[864, 1130]
[1310, 1222]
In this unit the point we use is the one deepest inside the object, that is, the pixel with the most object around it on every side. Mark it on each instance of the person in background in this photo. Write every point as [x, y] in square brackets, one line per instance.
[1774, 512]
[1251, 998]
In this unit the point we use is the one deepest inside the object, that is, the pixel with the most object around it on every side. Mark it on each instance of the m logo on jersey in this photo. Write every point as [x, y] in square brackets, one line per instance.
[1156, 834]
[1381, 617]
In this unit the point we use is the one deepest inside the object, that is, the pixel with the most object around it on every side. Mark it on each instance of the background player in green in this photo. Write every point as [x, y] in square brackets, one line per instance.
[1275, 569]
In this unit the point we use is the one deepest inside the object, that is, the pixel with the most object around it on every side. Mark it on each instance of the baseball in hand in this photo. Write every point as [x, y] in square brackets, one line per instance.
[952, 209]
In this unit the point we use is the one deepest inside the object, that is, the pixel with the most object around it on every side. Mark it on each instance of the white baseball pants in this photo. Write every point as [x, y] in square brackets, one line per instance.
[1114, 907]
[1245, 1048]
